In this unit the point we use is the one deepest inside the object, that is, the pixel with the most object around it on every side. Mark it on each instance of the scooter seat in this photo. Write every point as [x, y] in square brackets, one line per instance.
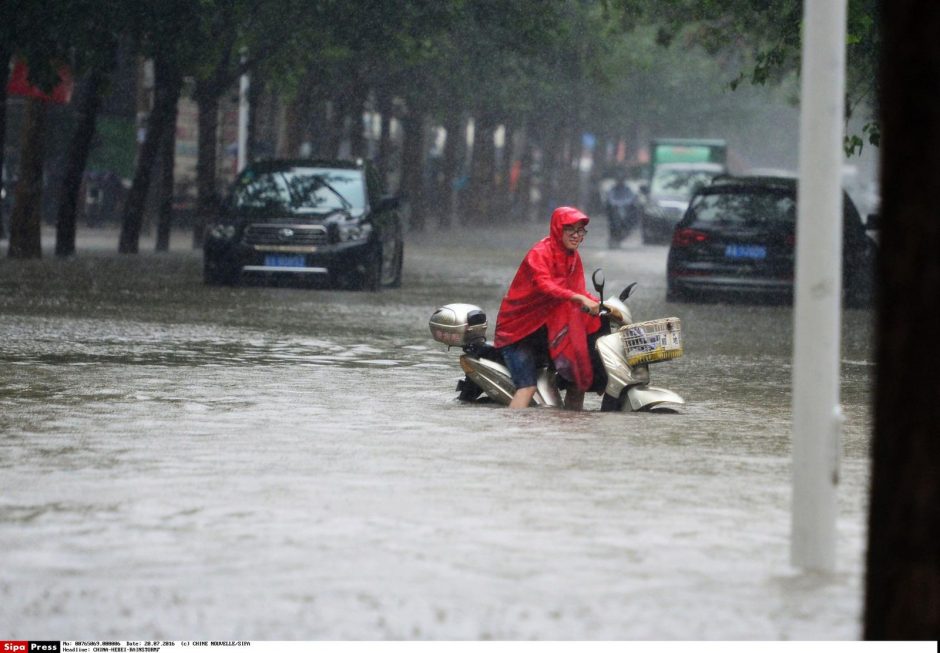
[488, 352]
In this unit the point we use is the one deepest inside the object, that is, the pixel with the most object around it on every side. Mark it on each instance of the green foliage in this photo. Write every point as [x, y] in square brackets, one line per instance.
[610, 66]
[853, 143]
[765, 38]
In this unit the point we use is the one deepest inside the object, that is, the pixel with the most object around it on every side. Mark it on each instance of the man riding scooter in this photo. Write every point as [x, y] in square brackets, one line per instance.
[548, 313]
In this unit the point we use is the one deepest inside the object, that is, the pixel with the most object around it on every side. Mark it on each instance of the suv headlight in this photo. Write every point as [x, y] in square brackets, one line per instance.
[352, 231]
[222, 231]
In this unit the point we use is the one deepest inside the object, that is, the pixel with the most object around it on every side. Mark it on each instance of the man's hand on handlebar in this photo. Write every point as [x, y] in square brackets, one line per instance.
[588, 305]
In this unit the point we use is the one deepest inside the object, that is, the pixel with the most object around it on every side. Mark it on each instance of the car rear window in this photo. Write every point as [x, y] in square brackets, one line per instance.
[745, 207]
[300, 190]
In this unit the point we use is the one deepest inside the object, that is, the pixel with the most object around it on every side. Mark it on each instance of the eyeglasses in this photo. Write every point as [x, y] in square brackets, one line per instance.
[571, 231]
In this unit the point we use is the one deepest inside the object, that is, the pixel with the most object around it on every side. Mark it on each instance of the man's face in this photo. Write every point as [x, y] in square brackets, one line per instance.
[573, 234]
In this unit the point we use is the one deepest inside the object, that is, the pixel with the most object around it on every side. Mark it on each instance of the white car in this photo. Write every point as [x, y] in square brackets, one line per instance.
[668, 195]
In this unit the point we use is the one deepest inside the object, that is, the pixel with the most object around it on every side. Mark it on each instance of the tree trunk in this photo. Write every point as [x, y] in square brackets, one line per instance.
[167, 161]
[207, 102]
[479, 201]
[314, 121]
[336, 124]
[503, 171]
[255, 94]
[5, 55]
[568, 177]
[452, 150]
[384, 101]
[550, 182]
[76, 160]
[293, 127]
[357, 141]
[412, 181]
[167, 84]
[902, 590]
[25, 236]
[522, 198]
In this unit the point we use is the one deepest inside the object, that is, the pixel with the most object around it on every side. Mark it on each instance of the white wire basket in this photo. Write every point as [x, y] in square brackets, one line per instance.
[652, 341]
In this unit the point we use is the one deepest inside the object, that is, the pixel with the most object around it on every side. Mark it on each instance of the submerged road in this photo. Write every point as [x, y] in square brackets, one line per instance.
[183, 462]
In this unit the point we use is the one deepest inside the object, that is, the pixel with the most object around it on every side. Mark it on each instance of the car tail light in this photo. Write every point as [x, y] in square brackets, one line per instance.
[685, 237]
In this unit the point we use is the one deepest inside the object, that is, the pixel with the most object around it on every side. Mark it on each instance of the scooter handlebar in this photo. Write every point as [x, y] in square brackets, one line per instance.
[600, 313]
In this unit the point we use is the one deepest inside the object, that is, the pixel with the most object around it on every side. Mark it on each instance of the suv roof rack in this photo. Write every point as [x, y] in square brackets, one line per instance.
[753, 180]
[267, 164]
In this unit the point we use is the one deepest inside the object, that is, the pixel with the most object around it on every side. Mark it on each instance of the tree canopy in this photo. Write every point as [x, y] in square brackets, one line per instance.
[620, 69]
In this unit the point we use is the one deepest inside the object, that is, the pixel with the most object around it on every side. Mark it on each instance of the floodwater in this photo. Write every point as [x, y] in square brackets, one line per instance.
[186, 462]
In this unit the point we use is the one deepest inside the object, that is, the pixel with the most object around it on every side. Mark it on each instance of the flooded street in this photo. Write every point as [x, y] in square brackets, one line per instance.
[181, 462]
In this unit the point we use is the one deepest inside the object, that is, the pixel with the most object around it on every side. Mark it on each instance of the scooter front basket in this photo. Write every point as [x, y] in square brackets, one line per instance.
[652, 341]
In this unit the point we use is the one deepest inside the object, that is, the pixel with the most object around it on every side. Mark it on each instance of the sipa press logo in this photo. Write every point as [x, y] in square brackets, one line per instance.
[30, 647]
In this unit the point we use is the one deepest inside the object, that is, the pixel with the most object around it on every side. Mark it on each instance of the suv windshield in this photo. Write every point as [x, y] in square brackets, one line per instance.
[301, 190]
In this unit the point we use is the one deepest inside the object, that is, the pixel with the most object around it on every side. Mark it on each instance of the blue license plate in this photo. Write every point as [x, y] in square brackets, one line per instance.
[284, 261]
[754, 252]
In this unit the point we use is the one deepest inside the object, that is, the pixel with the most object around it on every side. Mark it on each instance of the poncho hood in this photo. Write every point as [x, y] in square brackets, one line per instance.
[562, 217]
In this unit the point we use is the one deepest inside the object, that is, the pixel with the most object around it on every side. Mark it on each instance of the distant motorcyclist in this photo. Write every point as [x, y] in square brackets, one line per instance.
[620, 204]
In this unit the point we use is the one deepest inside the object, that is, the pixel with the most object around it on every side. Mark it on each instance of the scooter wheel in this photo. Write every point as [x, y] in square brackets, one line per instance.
[661, 410]
[611, 404]
[469, 391]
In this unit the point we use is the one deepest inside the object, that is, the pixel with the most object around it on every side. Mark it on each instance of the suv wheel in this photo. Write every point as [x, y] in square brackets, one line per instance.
[214, 274]
[396, 266]
[371, 279]
[674, 294]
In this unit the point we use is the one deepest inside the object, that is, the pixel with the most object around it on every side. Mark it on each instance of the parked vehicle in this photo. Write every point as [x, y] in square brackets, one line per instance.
[622, 355]
[306, 219]
[104, 195]
[738, 240]
[667, 197]
[687, 150]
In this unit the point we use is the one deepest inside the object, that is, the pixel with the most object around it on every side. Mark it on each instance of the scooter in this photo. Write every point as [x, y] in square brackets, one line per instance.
[626, 350]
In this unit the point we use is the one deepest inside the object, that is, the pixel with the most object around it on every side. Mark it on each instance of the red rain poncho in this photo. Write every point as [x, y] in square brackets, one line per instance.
[540, 294]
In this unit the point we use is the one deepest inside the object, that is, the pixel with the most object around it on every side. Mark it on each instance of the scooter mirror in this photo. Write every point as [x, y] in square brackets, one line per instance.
[627, 291]
[598, 278]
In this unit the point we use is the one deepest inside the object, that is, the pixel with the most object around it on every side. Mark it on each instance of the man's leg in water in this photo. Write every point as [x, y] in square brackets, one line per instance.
[574, 399]
[522, 360]
[523, 397]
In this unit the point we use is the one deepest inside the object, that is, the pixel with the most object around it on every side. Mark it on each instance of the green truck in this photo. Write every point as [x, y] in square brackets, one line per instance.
[687, 150]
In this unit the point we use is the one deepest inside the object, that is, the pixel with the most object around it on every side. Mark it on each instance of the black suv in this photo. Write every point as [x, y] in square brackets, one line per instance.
[289, 219]
[738, 237]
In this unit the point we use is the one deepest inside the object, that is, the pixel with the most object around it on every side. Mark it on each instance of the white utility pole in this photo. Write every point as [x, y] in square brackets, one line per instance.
[817, 418]
[243, 107]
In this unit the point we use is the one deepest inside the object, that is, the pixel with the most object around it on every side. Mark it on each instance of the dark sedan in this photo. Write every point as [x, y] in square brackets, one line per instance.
[737, 240]
[300, 219]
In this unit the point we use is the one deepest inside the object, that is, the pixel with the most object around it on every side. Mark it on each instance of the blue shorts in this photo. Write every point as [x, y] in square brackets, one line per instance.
[524, 358]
